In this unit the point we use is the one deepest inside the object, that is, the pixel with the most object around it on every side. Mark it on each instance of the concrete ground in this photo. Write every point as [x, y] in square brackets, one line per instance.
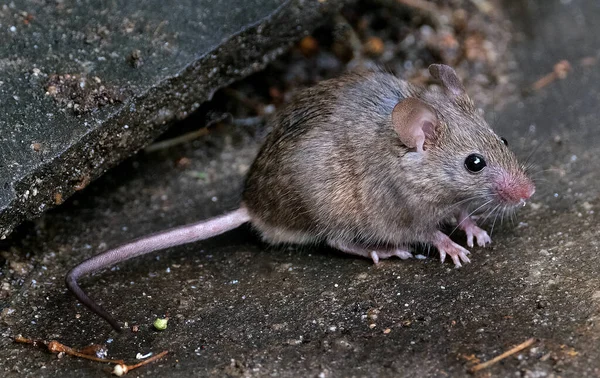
[240, 308]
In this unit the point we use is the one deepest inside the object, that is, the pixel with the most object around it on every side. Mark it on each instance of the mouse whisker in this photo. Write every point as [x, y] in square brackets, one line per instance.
[489, 213]
[536, 180]
[532, 153]
[470, 199]
[495, 218]
[513, 216]
[510, 215]
[462, 202]
[468, 216]
[541, 171]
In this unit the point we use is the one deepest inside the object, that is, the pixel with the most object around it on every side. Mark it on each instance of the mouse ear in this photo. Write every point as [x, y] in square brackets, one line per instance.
[414, 122]
[448, 77]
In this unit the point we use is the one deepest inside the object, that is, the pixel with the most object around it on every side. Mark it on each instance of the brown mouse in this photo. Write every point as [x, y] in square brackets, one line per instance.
[368, 164]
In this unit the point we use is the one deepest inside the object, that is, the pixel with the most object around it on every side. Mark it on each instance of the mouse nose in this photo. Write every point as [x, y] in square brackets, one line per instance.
[515, 190]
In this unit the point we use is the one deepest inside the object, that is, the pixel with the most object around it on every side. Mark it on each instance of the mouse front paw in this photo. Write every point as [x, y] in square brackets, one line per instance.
[471, 229]
[447, 247]
[482, 237]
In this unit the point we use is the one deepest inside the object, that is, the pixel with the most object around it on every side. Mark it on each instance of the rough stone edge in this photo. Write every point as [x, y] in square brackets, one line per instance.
[180, 95]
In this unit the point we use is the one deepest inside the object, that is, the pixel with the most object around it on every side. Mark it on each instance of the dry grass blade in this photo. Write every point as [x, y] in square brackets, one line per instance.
[508, 353]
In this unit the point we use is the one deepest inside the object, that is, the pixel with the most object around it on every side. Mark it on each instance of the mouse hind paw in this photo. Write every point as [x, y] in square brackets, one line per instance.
[386, 254]
[373, 254]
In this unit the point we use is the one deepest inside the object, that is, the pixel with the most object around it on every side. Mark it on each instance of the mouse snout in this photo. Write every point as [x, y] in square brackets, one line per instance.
[514, 189]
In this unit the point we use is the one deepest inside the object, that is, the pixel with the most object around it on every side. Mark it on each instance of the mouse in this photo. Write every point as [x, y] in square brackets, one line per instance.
[368, 164]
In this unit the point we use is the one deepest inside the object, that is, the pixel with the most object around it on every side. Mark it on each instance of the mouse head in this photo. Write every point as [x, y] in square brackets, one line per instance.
[470, 162]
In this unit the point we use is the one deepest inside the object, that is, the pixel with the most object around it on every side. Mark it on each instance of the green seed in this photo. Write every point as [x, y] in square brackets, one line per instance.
[160, 324]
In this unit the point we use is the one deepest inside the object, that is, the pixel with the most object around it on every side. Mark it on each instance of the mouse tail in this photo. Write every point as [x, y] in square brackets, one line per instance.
[180, 235]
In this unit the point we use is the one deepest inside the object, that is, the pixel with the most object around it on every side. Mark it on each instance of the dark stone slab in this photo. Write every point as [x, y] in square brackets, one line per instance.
[239, 308]
[84, 84]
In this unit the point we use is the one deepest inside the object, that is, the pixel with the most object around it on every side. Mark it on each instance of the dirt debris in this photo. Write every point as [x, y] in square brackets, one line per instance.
[80, 93]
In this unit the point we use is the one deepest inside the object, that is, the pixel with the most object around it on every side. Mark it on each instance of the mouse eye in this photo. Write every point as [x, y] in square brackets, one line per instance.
[504, 141]
[475, 163]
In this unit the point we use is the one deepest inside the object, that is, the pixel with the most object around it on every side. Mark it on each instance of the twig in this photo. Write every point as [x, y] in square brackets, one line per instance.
[56, 347]
[560, 71]
[508, 353]
[162, 23]
[176, 141]
[121, 368]
[249, 121]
